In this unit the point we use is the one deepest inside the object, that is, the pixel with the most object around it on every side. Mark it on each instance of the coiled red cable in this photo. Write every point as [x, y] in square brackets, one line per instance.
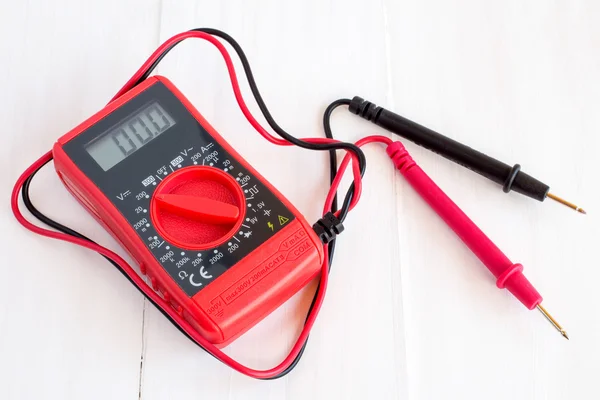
[138, 281]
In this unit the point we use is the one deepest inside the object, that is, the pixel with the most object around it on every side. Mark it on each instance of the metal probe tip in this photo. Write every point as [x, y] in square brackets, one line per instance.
[566, 203]
[553, 321]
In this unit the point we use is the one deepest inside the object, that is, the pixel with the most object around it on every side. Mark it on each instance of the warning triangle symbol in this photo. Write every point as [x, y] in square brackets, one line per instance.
[282, 220]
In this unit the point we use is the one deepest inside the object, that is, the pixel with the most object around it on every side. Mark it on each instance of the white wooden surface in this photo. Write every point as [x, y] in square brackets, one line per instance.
[410, 313]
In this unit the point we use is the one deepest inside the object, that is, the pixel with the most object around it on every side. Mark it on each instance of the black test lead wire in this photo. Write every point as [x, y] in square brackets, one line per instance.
[271, 121]
[511, 178]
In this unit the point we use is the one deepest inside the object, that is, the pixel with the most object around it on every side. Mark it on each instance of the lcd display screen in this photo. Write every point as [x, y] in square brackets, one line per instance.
[118, 143]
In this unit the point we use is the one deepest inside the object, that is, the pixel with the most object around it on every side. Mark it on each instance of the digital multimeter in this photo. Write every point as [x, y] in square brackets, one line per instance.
[215, 239]
[220, 246]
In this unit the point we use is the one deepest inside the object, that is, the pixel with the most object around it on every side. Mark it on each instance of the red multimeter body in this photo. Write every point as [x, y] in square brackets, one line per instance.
[215, 239]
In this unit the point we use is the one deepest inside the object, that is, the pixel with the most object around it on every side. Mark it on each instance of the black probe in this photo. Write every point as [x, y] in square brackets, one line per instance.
[511, 178]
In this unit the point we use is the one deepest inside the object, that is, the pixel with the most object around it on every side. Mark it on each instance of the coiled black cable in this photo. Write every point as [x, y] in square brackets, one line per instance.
[280, 131]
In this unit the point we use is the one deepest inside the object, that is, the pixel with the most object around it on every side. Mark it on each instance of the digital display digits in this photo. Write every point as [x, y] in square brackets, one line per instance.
[116, 144]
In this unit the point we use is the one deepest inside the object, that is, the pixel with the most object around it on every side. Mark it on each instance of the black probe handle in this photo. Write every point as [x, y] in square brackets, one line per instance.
[511, 178]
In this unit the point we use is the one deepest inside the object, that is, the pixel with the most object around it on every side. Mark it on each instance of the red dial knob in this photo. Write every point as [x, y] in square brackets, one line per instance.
[198, 207]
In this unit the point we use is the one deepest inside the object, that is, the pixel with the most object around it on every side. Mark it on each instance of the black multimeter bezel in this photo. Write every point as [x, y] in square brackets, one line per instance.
[125, 187]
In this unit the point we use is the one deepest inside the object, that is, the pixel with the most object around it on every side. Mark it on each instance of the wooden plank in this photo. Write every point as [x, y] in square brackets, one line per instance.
[70, 325]
[516, 80]
[303, 59]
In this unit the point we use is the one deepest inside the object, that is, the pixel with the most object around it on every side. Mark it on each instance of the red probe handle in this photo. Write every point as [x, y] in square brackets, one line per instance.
[509, 275]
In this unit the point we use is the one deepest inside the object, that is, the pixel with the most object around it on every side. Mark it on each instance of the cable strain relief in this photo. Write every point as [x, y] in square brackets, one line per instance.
[328, 227]
[365, 109]
[400, 157]
[514, 171]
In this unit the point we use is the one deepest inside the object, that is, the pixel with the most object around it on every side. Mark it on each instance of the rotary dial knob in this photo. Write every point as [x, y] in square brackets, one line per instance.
[197, 208]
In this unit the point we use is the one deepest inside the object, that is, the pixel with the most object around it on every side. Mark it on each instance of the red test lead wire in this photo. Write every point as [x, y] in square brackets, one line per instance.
[509, 275]
[140, 283]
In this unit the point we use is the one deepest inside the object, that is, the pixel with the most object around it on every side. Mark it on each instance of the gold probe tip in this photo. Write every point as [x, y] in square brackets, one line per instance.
[554, 323]
[566, 203]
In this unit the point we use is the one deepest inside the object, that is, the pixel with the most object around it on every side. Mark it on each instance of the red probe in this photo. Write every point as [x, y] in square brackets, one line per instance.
[508, 275]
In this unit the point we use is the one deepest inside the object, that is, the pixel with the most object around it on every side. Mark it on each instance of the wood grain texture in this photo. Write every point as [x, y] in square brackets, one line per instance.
[410, 313]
